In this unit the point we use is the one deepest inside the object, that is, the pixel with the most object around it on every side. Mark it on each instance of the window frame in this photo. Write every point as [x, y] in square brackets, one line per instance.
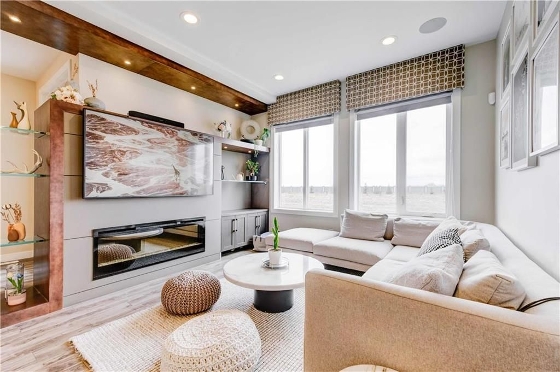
[275, 153]
[453, 161]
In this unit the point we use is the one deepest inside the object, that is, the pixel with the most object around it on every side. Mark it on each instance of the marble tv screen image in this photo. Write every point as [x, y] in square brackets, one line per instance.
[127, 157]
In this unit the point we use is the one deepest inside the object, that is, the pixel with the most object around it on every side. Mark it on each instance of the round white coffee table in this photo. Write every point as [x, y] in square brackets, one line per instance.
[274, 288]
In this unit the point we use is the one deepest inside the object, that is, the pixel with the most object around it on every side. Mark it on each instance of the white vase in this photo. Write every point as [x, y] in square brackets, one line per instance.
[258, 142]
[275, 257]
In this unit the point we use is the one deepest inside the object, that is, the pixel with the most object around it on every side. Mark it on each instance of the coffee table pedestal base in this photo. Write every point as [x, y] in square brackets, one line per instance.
[274, 301]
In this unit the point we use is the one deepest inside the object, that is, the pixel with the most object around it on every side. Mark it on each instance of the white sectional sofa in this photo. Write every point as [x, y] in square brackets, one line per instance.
[353, 320]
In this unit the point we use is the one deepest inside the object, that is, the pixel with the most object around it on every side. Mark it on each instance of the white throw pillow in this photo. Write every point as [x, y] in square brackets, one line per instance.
[411, 233]
[486, 280]
[364, 226]
[473, 241]
[437, 272]
[450, 223]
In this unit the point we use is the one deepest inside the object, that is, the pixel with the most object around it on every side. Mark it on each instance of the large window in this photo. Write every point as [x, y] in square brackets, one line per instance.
[304, 169]
[403, 158]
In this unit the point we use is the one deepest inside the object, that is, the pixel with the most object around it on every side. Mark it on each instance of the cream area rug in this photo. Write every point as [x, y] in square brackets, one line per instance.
[134, 343]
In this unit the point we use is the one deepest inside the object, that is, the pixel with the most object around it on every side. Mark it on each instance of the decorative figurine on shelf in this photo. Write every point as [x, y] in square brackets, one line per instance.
[23, 123]
[14, 122]
[73, 83]
[26, 170]
[253, 169]
[12, 215]
[94, 101]
[68, 94]
[15, 290]
[224, 128]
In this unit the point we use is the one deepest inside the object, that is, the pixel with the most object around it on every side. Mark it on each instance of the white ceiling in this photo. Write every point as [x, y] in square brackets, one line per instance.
[243, 44]
[24, 58]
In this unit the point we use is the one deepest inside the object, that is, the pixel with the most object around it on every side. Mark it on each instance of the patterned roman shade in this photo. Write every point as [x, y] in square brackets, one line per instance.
[428, 74]
[320, 100]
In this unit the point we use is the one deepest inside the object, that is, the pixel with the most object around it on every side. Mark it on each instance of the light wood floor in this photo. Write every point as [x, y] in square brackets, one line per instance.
[41, 344]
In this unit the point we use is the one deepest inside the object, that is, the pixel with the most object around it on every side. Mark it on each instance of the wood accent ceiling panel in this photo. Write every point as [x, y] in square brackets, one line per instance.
[50, 26]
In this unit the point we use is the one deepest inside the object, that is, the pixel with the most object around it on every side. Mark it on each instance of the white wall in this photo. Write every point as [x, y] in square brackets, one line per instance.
[477, 146]
[477, 134]
[17, 149]
[528, 202]
[123, 91]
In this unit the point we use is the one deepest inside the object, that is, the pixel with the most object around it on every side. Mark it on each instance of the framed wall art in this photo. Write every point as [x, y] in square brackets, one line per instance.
[505, 125]
[506, 59]
[520, 158]
[542, 12]
[545, 136]
[521, 12]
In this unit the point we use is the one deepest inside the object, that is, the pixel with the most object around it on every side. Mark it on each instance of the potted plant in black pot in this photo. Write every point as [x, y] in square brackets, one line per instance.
[253, 169]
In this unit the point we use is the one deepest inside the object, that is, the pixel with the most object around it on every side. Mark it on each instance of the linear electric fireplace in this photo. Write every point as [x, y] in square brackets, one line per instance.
[124, 248]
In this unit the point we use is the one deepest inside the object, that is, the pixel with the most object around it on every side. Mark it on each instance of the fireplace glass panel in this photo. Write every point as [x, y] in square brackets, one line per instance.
[121, 249]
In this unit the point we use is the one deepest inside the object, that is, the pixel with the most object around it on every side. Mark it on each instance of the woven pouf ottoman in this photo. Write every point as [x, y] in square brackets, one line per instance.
[114, 252]
[190, 293]
[223, 340]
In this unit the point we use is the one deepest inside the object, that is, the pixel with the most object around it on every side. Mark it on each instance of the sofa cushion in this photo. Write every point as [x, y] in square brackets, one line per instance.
[361, 225]
[439, 240]
[402, 253]
[450, 223]
[410, 232]
[355, 250]
[437, 271]
[301, 238]
[485, 279]
[382, 269]
[473, 241]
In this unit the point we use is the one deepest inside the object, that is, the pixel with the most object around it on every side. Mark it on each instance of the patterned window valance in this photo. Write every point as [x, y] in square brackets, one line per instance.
[320, 100]
[428, 74]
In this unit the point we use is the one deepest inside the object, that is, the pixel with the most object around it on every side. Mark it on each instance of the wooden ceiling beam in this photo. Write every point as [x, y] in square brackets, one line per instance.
[53, 27]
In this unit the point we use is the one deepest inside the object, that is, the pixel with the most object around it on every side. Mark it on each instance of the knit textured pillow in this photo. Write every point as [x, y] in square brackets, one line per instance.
[440, 240]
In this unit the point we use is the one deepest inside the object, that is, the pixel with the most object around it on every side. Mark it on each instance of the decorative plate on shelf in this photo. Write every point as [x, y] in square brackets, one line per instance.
[283, 263]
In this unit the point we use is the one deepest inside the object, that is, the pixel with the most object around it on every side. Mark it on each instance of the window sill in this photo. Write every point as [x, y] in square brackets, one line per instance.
[300, 212]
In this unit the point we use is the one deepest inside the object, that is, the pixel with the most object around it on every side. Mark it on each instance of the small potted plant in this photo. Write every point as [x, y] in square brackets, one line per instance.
[275, 253]
[263, 137]
[15, 291]
[253, 169]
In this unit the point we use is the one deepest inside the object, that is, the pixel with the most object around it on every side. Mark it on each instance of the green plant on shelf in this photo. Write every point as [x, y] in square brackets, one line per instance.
[15, 280]
[252, 167]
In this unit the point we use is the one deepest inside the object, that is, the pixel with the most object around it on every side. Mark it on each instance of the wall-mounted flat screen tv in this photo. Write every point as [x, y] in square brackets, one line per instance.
[128, 157]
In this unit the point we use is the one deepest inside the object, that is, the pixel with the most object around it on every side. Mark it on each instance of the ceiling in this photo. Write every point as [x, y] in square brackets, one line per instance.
[244, 44]
[24, 58]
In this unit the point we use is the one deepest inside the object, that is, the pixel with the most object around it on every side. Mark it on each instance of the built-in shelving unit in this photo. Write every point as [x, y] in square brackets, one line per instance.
[37, 133]
[240, 224]
[45, 294]
[257, 182]
[33, 240]
[32, 175]
[239, 146]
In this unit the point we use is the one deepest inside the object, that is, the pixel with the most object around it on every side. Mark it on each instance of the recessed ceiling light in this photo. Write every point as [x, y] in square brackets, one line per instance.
[193, 87]
[127, 62]
[237, 105]
[433, 25]
[225, 147]
[189, 18]
[278, 77]
[389, 40]
[13, 18]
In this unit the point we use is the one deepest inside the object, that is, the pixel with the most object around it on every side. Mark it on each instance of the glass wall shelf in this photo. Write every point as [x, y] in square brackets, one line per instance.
[3, 174]
[38, 134]
[29, 240]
